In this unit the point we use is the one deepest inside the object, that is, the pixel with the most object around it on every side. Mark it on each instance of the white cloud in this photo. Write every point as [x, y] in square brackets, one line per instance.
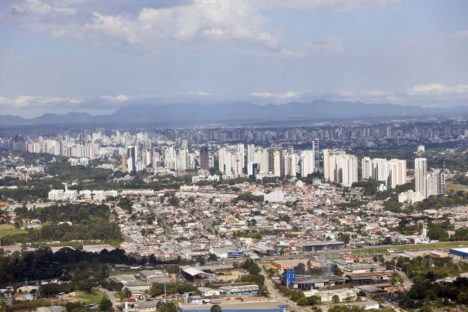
[117, 98]
[41, 7]
[25, 101]
[436, 89]
[153, 27]
[462, 34]
[371, 96]
[289, 95]
[433, 92]
[200, 93]
[242, 23]
[333, 5]
[264, 94]
[329, 44]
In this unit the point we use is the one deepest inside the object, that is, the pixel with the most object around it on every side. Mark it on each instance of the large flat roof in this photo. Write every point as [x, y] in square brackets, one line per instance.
[247, 306]
[322, 243]
[462, 249]
[459, 251]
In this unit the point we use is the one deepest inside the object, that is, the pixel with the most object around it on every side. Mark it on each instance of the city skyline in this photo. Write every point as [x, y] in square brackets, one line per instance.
[233, 155]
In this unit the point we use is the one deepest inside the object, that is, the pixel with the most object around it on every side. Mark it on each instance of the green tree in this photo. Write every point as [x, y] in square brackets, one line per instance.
[126, 293]
[344, 238]
[212, 257]
[297, 295]
[166, 306]
[313, 300]
[300, 269]
[216, 308]
[335, 299]
[437, 231]
[105, 304]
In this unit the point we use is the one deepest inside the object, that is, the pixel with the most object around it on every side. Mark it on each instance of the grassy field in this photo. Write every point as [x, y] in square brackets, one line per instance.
[124, 272]
[9, 229]
[418, 247]
[456, 187]
[94, 297]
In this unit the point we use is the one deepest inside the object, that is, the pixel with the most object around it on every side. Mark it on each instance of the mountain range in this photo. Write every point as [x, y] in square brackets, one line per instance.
[235, 113]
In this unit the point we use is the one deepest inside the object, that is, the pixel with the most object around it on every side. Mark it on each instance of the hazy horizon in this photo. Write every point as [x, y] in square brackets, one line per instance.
[138, 104]
[90, 56]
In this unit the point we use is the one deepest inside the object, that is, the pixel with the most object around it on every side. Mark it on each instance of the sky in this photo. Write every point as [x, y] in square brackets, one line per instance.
[97, 55]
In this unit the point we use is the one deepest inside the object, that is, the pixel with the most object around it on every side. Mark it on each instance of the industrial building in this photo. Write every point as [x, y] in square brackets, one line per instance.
[313, 246]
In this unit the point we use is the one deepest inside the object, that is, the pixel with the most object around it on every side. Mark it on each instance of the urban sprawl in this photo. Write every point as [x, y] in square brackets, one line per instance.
[332, 217]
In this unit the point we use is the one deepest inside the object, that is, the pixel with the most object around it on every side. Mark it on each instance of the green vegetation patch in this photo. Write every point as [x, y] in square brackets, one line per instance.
[9, 230]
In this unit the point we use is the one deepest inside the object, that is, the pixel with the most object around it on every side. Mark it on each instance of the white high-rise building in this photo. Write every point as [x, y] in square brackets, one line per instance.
[170, 157]
[230, 161]
[316, 150]
[182, 160]
[307, 163]
[241, 153]
[397, 172]
[340, 167]
[380, 169]
[238, 161]
[420, 175]
[391, 172]
[261, 158]
[347, 169]
[290, 164]
[327, 166]
[250, 153]
[435, 183]
[277, 163]
[366, 168]
[222, 160]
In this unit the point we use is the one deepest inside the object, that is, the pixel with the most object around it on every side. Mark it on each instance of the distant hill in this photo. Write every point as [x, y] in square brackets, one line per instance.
[189, 114]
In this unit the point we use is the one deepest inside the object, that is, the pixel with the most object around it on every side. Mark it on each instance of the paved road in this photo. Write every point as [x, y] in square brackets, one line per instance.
[407, 283]
[111, 297]
[278, 296]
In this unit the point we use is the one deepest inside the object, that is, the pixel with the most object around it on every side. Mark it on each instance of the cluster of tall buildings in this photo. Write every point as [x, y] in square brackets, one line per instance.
[138, 158]
[58, 148]
[274, 161]
[145, 150]
[339, 167]
[391, 172]
[337, 134]
[428, 183]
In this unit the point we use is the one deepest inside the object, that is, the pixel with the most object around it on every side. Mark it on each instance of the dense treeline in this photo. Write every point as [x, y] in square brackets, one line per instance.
[69, 212]
[64, 264]
[371, 188]
[420, 268]
[428, 292]
[461, 179]
[65, 172]
[25, 193]
[88, 222]
[249, 197]
[437, 202]
[98, 229]
[68, 264]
